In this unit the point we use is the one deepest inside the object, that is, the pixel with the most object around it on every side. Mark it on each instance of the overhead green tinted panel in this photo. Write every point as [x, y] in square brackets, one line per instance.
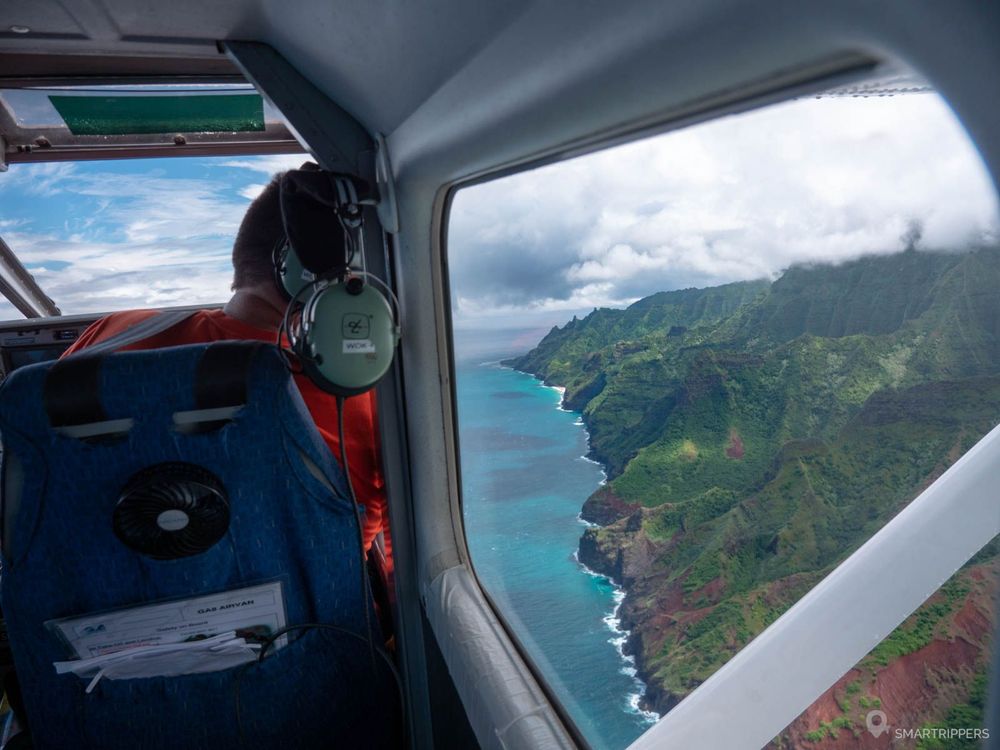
[133, 115]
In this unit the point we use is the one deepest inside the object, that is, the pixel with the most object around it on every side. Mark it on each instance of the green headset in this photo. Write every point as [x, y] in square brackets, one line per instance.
[341, 328]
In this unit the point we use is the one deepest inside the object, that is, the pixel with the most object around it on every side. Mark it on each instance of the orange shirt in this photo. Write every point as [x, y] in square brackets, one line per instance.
[360, 425]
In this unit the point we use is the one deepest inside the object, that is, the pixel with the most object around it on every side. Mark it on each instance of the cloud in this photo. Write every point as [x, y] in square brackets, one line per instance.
[93, 276]
[269, 164]
[252, 191]
[738, 198]
[42, 180]
[123, 239]
[8, 311]
[151, 208]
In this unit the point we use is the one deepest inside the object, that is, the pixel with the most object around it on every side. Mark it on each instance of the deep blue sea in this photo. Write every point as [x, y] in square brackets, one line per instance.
[524, 479]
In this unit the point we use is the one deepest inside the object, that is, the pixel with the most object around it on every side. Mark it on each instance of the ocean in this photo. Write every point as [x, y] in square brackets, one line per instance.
[525, 476]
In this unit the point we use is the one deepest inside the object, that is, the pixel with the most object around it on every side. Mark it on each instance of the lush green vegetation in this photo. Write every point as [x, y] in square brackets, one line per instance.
[921, 628]
[770, 429]
[829, 729]
[968, 715]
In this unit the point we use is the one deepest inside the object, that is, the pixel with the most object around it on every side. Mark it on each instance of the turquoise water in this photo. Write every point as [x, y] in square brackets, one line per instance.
[524, 480]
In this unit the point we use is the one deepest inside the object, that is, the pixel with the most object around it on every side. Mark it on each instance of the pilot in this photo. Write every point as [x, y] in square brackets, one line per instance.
[254, 312]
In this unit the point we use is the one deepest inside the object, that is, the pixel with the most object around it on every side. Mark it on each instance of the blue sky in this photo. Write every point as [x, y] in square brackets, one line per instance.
[124, 234]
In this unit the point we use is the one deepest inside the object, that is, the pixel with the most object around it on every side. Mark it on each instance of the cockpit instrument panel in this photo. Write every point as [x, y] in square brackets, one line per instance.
[25, 342]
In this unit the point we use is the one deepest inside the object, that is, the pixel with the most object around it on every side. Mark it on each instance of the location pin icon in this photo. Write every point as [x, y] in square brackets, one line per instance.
[878, 722]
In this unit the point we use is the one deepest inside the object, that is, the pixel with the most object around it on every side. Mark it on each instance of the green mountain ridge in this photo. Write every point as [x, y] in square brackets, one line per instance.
[933, 316]
[756, 433]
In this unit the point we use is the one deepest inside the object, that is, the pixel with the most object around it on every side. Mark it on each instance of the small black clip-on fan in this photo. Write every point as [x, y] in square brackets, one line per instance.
[172, 510]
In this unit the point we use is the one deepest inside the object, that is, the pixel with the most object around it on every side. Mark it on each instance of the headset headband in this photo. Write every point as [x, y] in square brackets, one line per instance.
[343, 331]
[320, 211]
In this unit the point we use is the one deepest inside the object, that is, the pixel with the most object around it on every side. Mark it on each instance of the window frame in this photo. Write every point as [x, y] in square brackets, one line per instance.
[693, 723]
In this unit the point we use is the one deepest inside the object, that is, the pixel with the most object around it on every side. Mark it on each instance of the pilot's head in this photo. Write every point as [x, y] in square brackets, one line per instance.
[260, 230]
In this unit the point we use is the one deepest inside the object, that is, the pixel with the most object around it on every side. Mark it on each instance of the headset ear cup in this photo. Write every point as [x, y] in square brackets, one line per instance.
[347, 341]
[289, 273]
[278, 255]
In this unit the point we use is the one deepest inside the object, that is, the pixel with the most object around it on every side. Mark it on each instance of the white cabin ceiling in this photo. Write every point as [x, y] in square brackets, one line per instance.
[462, 87]
[382, 57]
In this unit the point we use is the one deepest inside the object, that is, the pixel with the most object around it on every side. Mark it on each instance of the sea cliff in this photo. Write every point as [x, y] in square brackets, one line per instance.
[755, 434]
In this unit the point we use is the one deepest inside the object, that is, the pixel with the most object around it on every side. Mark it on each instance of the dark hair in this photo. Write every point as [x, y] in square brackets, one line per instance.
[260, 230]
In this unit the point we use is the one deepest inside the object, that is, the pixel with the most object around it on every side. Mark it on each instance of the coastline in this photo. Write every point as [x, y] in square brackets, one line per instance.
[619, 639]
[638, 703]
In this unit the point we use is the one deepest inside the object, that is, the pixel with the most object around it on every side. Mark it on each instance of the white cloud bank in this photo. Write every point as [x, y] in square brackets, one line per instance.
[268, 165]
[133, 240]
[128, 240]
[739, 198]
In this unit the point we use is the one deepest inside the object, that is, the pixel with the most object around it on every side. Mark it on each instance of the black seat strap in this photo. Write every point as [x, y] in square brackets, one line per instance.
[222, 373]
[72, 392]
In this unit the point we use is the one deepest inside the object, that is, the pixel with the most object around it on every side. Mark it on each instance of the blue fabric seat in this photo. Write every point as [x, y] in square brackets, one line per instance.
[291, 521]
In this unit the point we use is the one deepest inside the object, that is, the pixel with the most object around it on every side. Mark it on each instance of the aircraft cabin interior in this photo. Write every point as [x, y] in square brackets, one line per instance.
[157, 497]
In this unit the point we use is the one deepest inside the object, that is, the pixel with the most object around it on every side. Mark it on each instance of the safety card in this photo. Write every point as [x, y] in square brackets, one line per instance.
[254, 613]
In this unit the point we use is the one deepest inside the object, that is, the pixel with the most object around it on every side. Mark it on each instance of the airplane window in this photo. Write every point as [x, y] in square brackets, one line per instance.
[99, 236]
[7, 310]
[696, 372]
[78, 119]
